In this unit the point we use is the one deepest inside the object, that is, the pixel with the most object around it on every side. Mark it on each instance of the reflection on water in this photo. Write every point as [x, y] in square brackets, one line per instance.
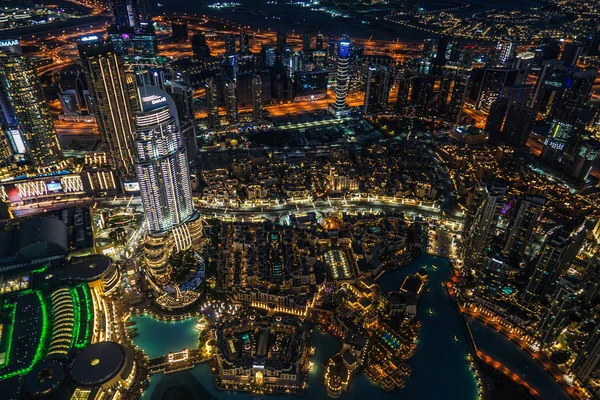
[439, 366]
[500, 348]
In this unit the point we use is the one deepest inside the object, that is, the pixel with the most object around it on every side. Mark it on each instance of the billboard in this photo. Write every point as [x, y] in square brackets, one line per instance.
[53, 186]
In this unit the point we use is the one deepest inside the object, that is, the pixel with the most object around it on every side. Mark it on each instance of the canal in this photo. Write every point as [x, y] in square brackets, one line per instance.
[500, 348]
[440, 369]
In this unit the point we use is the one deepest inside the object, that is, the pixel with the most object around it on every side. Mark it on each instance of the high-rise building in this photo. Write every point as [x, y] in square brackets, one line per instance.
[114, 98]
[130, 13]
[505, 51]
[319, 43]
[566, 293]
[161, 162]
[200, 46]
[589, 358]
[523, 221]
[183, 95]
[456, 101]
[422, 93]
[571, 54]
[342, 78]
[481, 220]
[495, 118]
[212, 105]
[377, 89]
[494, 79]
[494, 278]
[402, 102]
[585, 158]
[26, 118]
[550, 86]
[281, 41]
[28, 122]
[306, 41]
[179, 31]
[257, 99]
[556, 255]
[518, 124]
[579, 87]
[231, 105]
[268, 56]
[230, 45]
[244, 43]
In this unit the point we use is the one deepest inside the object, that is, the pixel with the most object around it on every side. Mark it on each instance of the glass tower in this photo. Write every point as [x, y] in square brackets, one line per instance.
[341, 78]
[161, 162]
[115, 100]
[32, 131]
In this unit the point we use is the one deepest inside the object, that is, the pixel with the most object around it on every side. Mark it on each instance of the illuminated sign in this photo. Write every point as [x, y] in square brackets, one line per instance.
[89, 38]
[53, 186]
[9, 42]
[154, 99]
[132, 187]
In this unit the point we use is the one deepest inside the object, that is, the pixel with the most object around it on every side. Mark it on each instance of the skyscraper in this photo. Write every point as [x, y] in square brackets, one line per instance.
[585, 158]
[342, 78]
[319, 42]
[561, 305]
[306, 41]
[589, 358]
[495, 118]
[377, 89]
[199, 46]
[115, 100]
[457, 97]
[257, 98]
[525, 218]
[505, 51]
[230, 45]
[281, 41]
[212, 105]
[494, 79]
[161, 162]
[130, 13]
[518, 124]
[481, 221]
[244, 43]
[29, 125]
[231, 101]
[556, 255]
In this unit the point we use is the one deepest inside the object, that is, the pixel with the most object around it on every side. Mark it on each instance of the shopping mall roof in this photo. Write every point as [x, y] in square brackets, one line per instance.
[98, 363]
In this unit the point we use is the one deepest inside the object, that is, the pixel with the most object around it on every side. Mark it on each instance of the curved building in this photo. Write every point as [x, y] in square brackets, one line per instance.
[45, 379]
[161, 162]
[104, 365]
[342, 78]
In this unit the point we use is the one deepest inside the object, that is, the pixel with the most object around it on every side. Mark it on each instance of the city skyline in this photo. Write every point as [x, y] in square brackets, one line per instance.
[324, 199]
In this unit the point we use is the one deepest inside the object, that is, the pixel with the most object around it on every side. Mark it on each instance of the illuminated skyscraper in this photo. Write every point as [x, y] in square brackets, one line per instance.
[130, 13]
[257, 99]
[589, 358]
[524, 220]
[505, 51]
[161, 162]
[377, 89]
[481, 221]
[555, 257]
[231, 101]
[341, 78]
[561, 305]
[27, 119]
[212, 105]
[115, 100]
